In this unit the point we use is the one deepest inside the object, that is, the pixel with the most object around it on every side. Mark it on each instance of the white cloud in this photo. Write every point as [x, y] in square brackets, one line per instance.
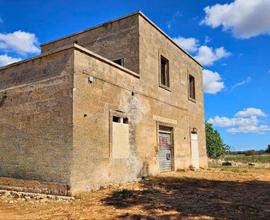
[242, 83]
[20, 42]
[188, 44]
[251, 112]
[245, 121]
[261, 129]
[212, 82]
[207, 55]
[5, 60]
[204, 54]
[245, 18]
[231, 122]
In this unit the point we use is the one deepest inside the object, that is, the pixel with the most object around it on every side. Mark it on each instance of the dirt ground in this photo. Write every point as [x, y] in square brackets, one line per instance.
[231, 193]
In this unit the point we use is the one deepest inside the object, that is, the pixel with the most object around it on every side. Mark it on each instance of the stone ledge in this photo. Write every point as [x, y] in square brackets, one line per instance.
[26, 196]
[34, 186]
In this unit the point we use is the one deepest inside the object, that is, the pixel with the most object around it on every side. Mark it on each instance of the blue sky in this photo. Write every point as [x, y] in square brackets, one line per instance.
[233, 47]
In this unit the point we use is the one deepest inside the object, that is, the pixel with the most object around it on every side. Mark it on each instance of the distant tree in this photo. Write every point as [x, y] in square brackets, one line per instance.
[214, 143]
[268, 149]
[251, 152]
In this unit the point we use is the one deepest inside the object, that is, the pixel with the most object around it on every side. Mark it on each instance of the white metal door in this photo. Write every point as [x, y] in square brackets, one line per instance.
[195, 162]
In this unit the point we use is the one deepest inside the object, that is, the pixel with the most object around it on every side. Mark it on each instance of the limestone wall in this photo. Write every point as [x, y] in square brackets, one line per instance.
[102, 88]
[36, 118]
[112, 40]
[56, 110]
[176, 104]
[94, 101]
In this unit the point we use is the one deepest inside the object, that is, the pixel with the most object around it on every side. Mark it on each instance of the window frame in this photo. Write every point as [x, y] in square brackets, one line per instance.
[167, 73]
[189, 87]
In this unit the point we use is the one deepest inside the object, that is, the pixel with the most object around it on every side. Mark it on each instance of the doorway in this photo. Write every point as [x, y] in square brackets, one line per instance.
[165, 151]
[195, 160]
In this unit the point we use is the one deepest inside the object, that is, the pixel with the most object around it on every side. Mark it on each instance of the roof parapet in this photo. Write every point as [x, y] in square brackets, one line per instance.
[121, 18]
[78, 47]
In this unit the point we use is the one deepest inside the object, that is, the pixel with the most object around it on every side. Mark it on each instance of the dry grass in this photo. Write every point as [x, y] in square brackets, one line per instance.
[263, 158]
[209, 194]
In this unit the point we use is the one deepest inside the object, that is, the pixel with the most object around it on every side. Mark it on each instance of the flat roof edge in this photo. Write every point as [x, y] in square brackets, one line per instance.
[78, 47]
[91, 28]
[37, 57]
[121, 18]
[105, 60]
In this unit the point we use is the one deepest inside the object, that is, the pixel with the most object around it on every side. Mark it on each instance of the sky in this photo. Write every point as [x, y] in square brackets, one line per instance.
[231, 39]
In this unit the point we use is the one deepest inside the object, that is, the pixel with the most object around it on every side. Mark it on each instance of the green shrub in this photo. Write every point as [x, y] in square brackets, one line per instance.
[214, 143]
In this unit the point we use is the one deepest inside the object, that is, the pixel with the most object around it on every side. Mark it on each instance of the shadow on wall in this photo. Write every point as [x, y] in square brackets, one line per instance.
[144, 172]
[174, 198]
[3, 99]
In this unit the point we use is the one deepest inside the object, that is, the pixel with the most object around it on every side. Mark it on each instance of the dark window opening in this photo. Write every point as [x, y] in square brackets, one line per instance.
[194, 131]
[119, 119]
[164, 72]
[192, 94]
[125, 120]
[119, 62]
[116, 119]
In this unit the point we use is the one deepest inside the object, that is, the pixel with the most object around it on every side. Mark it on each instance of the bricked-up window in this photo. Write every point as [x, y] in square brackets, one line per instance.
[192, 90]
[119, 137]
[164, 72]
[119, 61]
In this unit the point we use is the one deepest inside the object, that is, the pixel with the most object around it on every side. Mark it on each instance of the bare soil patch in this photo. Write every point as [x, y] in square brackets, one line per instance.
[208, 194]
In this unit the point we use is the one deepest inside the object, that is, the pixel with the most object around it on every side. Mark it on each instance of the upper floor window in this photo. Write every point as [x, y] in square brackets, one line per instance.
[192, 92]
[164, 72]
[119, 61]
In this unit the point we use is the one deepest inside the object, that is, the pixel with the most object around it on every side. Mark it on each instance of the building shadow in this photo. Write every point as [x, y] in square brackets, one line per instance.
[179, 198]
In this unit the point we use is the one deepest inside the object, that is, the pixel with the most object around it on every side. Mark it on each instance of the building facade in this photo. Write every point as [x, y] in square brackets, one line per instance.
[106, 105]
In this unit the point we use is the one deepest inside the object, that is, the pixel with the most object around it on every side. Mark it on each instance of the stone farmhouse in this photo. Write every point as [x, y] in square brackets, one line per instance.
[106, 105]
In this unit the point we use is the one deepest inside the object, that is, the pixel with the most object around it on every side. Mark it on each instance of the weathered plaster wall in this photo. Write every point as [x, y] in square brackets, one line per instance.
[176, 104]
[93, 104]
[110, 90]
[119, 39]
[36, 118]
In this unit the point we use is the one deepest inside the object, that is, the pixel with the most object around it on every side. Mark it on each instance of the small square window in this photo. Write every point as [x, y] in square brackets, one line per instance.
[192, 90]
[119, 61]
[116, 119]
[164, 72]
[125, 120]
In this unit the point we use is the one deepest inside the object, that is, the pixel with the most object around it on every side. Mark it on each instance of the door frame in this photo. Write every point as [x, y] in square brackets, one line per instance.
[171, 127]
[191, 151]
